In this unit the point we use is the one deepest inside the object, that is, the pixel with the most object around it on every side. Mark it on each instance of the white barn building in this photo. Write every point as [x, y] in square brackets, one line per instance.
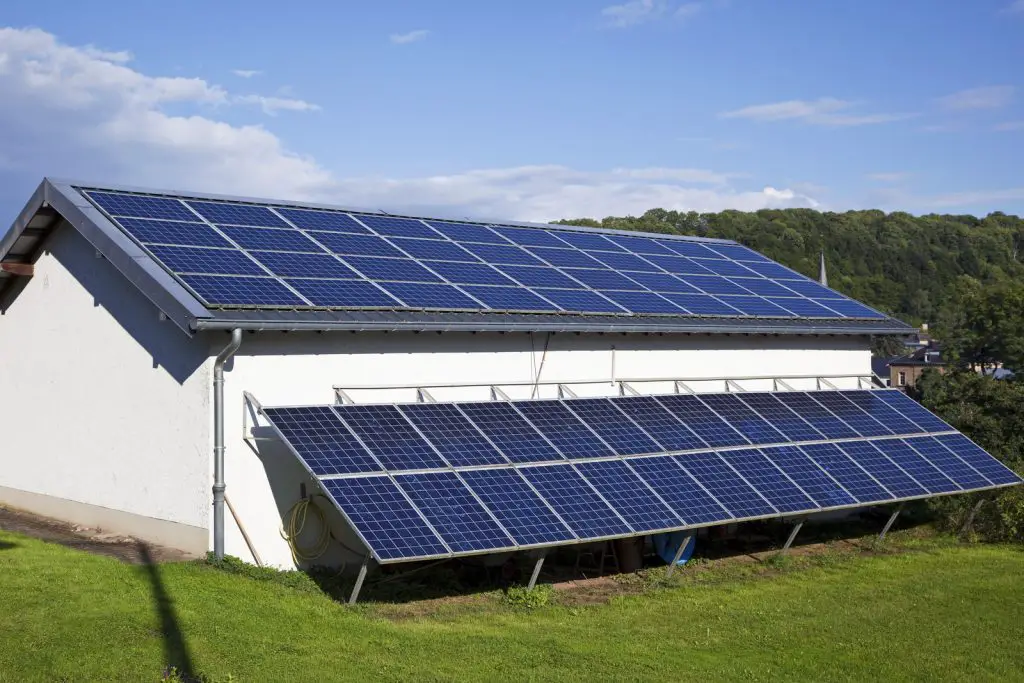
[108, 364]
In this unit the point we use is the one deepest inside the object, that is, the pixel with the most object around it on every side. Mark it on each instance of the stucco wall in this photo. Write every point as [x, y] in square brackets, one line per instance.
[101, 402]
[297, 369]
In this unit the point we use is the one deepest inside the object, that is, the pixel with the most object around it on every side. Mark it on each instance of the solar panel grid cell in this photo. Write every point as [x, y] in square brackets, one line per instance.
[469, 273]
[965, 476]
[884, 470]
[269, 239]
[290, 264]
[322, 441]
[604, 279]
[467, 232]
[662, 282]
[738, 497]
[563, 429]
[990, 468]
[691, 249]
[757, 306]
[769, 481]
[343, 293]
[396, 269]
[580, 300]
[629, 495]
[845, 471]
[226, 290]
[141, 206]
[454, 436]
[205, 260]
[816, 414]
[742, 419]
[151, 231]
[328, 221]
[529, 237]
[571, 258]
[612, 425]
[913, 464]
[586, 513]
[390, 437]
[509, 298]
[539, 277]
[356, 245]
[730, 268]
[510, 432]
[681, 491]
[430, 295]
[657, 421]
[642, 302]
[851, 414]
[397, 227]
[625, 261]
[696, 415]
[438, 250]
[881, 411]
[782, 419]
[519, 509]
[912, 410]
[502, 254]
[816, 483]
[583, 240]
[223, 213]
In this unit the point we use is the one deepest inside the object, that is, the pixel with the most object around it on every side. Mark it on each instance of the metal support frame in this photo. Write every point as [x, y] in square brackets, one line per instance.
[423, 396]
[731, 386]
[342, 398]
[626, 390]
[498, 395]
[686, 388]
[679, 553]
[536, 572]
[892, 520]
[792, 537]
[359, 582]
[566, 392]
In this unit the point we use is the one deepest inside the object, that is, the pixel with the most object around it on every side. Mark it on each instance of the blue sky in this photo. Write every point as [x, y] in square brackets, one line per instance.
[530, 110]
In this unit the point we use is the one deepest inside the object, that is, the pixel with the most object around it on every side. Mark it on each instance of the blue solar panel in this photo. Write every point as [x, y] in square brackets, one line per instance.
[691, 249]
[845, 471]
[821, 419]
[575, 502]
[237, 214]
[433, 249]
[741, 418]
[584, 240]
[467, 232]
[270, 239]
[451, 509]
[913, 464]
[702, 304]
[328, 221]
[581, 300]
[402, 270]
[816, 483]
[736, 495]
[454, 436]
[680, 265]
[763, 287]
[756, 306]
[203, 260]
[343, 293]
[289, 264]
[624, 261]
[669, 432]
[141, 206]
[519, 509]
[730, 268]
[850, 308]
[509, 298]
[663, 282]
[871, 403]
[642, 302]
[383, 516]
[227, 290]
[769, 481]
[736, 252]
[716, 284]
[789, 423]
[681, 491]
[563, 429]
[629, 495]
[641, 245]
[990, 468]
[692, 412]
[949, 464]
[805, 308]
[571, 258]
[469, 273]
[529, 237]
[173, 232]
[774, 270]
[510, 432]
[389, 436]
[356, 245]
[539, 277]
[613, 426]
[913, 411]
[421, 295]
[503, 255]
[396, 227]
[811, 289]
[604, 279]
[884, 470]
[322, 441]
[851, 414]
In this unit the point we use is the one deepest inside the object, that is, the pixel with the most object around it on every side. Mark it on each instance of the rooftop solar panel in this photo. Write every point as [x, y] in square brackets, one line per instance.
[774, 270]
[729, 268]
[269, 239]
[603, 279]
[539, 277]
[453, 511]
[356, 245]
[151, 231]
[529, 237]
[586, 513]
[757, 306]
[467, 232]
[223, 213]
[682, 492]
[763, 287]
[629, 495]
[663, 282]
[584, 240]
[433, 249]
[624, 261]
[815, 482]
[397, 269]
[290, 264]
[502, 255]
[563, 429]
[680, 265]
[322, 441]
[641, 245]
[612, 425]
[510, 432]
[849, 308]
[328, 221]
[454, 436]
[769, 481]
[881, 411]
[642, 302]
[517, 506]
[390, 437]
[227, 290]
[343, 293]
[205, 260]
[691, 249]
[702, 304]
[804, 307]
[571, 258]
[469, 273]
[738, 497]
[397, 227]
[696, 415]
[423, 295]
[509, 298]
[737, 252]
[580, 300]
[389, 524]
[141, 206]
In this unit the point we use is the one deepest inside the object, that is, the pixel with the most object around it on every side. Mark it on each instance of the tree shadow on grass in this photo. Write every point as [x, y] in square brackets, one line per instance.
[4, 545]
[176, 653]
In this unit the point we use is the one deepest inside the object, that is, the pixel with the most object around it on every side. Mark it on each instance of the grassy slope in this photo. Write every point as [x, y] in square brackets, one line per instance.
[953, 613]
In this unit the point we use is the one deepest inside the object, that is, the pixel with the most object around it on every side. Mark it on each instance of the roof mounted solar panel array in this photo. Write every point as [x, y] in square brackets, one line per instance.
[233, 254]
[429, 480]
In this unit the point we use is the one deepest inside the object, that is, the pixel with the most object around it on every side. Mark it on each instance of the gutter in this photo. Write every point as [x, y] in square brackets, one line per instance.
[218, 441]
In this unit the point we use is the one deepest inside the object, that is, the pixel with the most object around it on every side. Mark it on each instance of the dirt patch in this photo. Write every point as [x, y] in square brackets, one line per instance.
[96, 541]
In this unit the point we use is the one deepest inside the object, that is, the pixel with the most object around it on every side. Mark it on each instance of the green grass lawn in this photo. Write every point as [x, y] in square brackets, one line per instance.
[946, 612]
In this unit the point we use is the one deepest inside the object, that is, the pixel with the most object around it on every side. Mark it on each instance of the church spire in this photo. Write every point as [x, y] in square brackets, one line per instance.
[822, 275]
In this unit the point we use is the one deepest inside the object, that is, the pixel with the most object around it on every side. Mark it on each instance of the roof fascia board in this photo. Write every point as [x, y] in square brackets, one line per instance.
[32, 207]
[382, 212]
[153, 281]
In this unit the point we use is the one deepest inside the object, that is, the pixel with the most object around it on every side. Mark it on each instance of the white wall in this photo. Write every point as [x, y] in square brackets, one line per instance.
[300, 369]
[100, 402]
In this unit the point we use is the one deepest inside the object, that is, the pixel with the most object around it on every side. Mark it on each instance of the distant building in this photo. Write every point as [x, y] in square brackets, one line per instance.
[906, 371]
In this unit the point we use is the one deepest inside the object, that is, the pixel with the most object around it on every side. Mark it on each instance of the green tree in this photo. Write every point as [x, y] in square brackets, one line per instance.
[983, 326]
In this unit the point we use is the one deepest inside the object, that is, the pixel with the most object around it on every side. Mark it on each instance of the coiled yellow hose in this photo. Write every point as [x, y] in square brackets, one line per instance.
[295, 523]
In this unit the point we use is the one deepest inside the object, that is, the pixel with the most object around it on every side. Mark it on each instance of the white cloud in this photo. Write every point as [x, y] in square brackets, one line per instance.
[633, 12]
[1016, 7]
[80, 114]
[272, 105]
[410, 37]
[825, 111]
[889, 177]
[246, 73]
[987, 97]
[1009, 126]
[976, 197]
[687, 9]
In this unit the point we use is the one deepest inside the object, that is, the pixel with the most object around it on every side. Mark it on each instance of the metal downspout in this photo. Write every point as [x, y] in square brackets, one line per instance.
[218, 441]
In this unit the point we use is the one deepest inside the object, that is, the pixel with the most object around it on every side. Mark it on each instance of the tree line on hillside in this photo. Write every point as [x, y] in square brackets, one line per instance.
[907, 266]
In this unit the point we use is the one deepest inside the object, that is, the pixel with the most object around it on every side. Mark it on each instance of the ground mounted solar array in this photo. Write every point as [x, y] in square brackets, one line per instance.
[428, 480]
[239, 255]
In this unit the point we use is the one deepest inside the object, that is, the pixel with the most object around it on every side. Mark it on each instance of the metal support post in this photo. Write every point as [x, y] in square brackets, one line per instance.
[679, 553]
[359, 582]
[892, 520]
[792, 536]
[536, 573]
